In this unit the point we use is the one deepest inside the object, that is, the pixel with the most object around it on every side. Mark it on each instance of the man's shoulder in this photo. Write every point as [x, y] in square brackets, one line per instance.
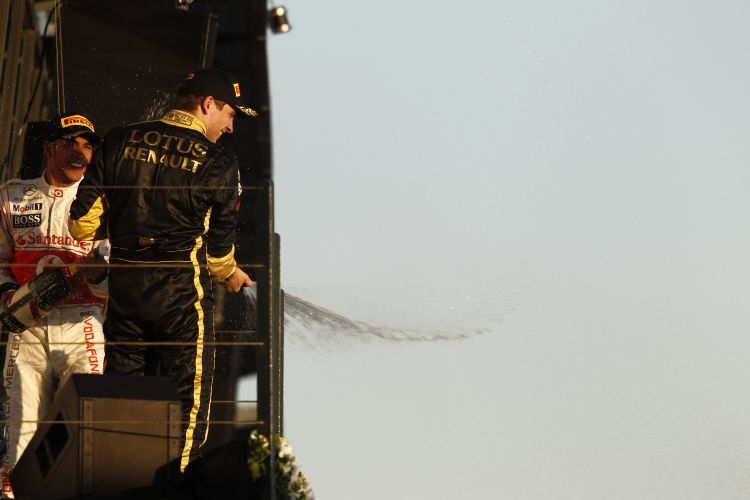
[221, 163]
[20, 190]
[21, 184]
[222, 153]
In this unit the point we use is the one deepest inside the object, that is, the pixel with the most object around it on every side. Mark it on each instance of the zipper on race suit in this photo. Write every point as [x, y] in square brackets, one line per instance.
[49, 218]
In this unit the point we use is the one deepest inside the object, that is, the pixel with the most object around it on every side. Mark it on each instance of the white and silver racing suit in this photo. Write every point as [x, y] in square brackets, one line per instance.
[34, 234]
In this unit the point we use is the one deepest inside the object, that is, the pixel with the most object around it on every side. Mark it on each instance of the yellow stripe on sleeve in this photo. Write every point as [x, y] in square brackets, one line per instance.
[92, 226]
[222, 267]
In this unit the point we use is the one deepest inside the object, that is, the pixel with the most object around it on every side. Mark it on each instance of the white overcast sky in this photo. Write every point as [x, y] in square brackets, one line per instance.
[571, 176]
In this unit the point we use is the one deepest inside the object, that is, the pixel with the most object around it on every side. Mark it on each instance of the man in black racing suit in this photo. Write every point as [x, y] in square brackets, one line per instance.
[168, 196]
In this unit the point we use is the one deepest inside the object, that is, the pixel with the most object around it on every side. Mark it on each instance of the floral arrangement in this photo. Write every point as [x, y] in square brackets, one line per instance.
[291, 484]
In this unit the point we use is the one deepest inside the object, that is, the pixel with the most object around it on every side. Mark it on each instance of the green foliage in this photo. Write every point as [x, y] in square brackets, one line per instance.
[291, 484]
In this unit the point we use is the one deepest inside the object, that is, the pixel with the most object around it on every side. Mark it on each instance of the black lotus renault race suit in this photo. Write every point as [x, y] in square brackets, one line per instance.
[168, 199]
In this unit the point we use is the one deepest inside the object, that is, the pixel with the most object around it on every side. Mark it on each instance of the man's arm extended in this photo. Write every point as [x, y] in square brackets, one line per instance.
[222, 231]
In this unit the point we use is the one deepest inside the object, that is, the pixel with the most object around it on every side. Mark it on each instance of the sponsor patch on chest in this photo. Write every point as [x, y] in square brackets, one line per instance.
[23, 208]
[27, 220]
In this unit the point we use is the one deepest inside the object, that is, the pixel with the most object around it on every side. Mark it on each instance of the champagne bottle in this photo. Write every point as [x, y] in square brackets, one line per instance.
[35, 300]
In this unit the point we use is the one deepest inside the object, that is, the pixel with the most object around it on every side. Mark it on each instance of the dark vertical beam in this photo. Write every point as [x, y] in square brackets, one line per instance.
[260, 93]
[59, 63]
[279, 346]
[209, 41]
[5, 10]
[270, 357]
[14, 24]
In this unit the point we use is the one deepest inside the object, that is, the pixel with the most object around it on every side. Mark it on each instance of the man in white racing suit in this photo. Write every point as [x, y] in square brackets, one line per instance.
[34, 235]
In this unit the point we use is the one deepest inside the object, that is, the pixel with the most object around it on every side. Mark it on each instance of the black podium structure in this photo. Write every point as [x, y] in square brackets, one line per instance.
[102, 435]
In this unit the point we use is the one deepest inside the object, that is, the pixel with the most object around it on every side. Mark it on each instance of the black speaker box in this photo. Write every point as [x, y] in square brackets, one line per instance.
[114, 433]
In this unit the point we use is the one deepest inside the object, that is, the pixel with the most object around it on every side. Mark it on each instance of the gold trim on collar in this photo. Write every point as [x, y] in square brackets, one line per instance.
[184, 119]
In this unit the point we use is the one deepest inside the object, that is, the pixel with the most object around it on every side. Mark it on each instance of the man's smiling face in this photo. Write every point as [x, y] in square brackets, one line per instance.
[67, 160]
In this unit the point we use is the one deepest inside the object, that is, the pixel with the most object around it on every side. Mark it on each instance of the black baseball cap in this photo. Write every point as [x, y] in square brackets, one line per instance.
[219, 85]
[71, 125]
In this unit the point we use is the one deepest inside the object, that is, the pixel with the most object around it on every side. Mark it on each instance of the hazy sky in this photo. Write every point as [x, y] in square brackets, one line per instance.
[572, 177]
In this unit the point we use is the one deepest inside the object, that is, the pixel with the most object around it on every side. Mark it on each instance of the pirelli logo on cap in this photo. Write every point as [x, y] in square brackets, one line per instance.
[73, 120]
[236, 89]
